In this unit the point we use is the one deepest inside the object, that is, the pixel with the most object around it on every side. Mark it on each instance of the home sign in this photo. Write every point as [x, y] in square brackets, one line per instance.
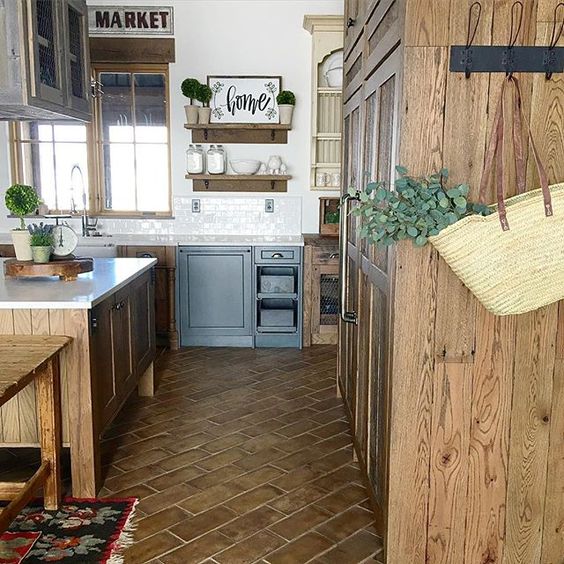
[130, 20]
[244, 99]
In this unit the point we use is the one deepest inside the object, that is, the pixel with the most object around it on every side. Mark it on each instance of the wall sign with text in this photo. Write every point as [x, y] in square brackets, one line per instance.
[244, 99]
[130, 20]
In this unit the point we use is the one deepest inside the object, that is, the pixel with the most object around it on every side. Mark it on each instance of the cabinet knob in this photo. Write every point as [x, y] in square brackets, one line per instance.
[146, 255]
[350, 23]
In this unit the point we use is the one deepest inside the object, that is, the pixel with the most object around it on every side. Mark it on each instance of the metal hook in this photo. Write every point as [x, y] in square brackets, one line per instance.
[516, 8]
[471, 33]
[554, 37]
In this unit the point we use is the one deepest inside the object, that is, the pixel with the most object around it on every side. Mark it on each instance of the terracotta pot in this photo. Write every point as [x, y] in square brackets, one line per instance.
[191, 114]
[21, 239]
[204, 115]
[41, 254]
[286, 113]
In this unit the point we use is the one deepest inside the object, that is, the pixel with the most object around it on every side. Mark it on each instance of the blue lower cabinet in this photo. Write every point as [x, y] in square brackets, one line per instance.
[240, 296]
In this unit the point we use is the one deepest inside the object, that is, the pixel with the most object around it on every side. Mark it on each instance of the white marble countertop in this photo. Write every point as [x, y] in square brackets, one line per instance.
[188, 239]
[109, 275]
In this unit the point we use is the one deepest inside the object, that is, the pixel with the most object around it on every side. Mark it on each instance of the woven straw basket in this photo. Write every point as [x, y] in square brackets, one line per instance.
[519, 267]
[512, 271]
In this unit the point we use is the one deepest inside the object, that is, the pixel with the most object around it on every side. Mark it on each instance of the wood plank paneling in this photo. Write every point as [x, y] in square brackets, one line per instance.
[413, 338]
[426, 23]
[9, 412]
[450, 439]
[57, 327]
[553, 526]
[26, 398]
[489, 438]
[530, 429]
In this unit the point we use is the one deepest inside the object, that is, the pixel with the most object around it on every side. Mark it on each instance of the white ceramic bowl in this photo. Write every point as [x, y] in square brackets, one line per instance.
[245, 166]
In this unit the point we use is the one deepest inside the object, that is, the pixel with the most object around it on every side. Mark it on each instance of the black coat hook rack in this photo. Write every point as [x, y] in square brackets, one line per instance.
[508, 58]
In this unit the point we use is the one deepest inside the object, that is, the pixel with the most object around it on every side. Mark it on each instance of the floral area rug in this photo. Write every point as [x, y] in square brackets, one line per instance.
[82, 531]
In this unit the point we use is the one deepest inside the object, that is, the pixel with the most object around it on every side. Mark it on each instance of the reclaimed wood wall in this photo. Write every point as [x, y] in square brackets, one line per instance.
[477, 409]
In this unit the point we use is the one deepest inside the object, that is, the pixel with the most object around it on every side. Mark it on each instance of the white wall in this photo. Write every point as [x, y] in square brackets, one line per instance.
[239, 37]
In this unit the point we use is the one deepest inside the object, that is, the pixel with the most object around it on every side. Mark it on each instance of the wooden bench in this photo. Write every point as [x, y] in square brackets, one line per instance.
[23, 359]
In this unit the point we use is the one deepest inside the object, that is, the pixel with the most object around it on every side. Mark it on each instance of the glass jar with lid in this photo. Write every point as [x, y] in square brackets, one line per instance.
[216, 160]
[194, 160]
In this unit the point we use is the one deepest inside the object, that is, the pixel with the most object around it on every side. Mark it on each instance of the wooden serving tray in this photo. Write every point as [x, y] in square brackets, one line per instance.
[66, 270]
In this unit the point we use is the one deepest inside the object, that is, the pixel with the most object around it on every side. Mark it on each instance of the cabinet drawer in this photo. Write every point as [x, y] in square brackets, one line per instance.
[273, 255]
[325, 255]
[148, 252]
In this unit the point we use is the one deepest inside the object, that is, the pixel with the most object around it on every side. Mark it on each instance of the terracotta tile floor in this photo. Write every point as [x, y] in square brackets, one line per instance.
[242, 456]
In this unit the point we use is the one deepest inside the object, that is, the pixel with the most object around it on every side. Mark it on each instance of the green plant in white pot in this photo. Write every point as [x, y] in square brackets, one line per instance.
[21, 200]
[286, 101]
[41, 242]
[204, 96]
[190, 88]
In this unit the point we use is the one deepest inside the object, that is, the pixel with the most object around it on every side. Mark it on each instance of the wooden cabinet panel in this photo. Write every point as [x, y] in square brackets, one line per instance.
[122, 334]
[143, 335]
[102, 361]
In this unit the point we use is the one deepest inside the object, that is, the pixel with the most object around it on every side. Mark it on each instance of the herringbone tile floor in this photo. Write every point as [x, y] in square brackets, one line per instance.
[242, 456]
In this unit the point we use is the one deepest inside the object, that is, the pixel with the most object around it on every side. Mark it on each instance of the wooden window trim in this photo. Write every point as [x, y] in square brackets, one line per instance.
[94, 153]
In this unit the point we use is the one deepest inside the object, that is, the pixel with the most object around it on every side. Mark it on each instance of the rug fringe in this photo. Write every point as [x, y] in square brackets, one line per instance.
[125, 539]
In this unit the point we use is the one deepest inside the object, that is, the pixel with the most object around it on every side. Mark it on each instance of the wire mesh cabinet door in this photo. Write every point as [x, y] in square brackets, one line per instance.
[47, 74]
[77, 55]
[325, 304]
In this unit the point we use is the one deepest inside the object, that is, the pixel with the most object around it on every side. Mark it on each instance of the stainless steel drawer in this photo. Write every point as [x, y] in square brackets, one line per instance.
[274, 255]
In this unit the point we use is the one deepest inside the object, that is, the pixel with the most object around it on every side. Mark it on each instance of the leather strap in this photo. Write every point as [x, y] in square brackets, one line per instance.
[543, 176]
[494, 153]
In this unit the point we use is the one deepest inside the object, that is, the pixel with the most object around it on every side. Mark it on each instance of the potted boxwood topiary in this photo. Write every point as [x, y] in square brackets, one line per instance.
[204, 96]
[41, 241]
[190, 88]
[21, 200]
[286, 101]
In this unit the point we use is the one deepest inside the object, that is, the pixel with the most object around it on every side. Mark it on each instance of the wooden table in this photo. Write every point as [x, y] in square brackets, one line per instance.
[25, 358]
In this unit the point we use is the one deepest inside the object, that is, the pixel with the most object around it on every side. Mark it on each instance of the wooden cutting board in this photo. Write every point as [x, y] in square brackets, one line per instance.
[66, 270]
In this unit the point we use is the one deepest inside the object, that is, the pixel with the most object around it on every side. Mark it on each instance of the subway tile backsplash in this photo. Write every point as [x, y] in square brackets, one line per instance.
[239, 215]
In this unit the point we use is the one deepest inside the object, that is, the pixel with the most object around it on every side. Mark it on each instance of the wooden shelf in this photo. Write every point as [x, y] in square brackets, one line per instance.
[271, 133]
[239, 182]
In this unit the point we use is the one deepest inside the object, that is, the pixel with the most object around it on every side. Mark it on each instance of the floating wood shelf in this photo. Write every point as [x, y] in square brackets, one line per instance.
[272, 133]
[239, 182]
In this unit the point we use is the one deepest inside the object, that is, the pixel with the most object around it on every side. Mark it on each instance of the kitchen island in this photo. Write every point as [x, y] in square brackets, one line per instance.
[109, 313]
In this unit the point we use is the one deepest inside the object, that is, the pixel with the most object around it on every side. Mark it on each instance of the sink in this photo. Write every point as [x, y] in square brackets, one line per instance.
[95, 249]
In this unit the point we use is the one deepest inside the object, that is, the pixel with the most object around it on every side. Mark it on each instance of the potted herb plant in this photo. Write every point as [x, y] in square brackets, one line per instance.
[190, 88]
[21, 200]
[41, 240]
[204, 96]
[286, 101]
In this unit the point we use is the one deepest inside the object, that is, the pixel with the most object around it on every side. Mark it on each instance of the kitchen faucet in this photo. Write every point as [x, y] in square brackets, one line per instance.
[87, 225]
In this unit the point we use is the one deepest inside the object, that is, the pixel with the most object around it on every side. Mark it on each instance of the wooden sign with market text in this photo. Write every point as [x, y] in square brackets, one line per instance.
[130, 20]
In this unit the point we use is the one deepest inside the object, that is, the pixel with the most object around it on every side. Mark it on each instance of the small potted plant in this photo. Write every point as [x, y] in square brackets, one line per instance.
[21, 200]
[286, 101]
[204, 96]
[190, 88]
[41, 240]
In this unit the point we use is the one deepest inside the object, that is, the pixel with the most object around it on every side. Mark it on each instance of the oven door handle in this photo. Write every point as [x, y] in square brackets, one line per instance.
[346, 316]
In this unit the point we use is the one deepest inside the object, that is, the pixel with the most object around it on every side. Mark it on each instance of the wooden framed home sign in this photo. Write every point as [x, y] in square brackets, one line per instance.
[130, 20]
[244, 99]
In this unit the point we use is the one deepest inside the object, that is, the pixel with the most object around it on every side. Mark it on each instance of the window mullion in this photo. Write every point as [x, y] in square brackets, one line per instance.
[134, 120]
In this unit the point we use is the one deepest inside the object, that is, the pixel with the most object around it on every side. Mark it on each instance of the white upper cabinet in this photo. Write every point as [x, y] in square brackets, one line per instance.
[44, 60]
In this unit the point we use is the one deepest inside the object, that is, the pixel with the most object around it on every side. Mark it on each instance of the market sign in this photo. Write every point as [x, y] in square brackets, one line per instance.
[130, 20]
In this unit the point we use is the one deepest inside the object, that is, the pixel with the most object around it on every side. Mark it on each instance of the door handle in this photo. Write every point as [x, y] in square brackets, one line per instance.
[346, 316]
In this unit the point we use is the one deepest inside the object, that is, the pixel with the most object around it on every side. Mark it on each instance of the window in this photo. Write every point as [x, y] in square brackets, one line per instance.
[119, 164]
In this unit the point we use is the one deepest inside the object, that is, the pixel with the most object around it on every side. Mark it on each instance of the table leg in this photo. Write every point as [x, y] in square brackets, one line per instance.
[49, 407]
